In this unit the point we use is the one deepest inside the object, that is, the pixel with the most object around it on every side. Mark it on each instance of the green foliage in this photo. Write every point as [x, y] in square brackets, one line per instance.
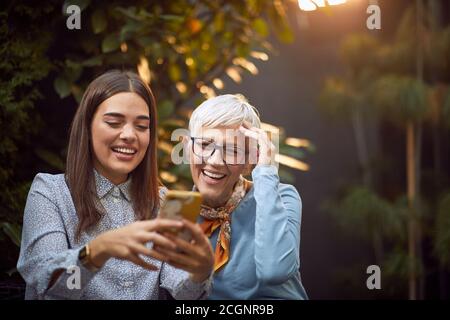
[185, 43]
[337, 98]
[365, 213]
[438, 52]
[358, 52]
[23, 63]
[397, 265]
[180, 46]
[446, 110]
[341, 97]
[13, 231]
[382, 77]
[401, 98]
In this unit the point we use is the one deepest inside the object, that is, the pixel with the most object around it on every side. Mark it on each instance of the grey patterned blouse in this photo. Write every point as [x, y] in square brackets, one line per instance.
[49, 244]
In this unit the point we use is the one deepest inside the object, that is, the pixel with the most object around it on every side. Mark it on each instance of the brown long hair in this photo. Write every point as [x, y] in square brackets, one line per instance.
[79, 174]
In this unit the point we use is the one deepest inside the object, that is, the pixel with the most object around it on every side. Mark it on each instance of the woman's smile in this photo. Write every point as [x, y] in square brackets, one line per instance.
[212, 177]
[124, 153]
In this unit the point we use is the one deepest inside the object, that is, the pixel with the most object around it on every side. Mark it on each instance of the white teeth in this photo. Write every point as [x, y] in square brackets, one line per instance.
[213, 175]
[125, 150]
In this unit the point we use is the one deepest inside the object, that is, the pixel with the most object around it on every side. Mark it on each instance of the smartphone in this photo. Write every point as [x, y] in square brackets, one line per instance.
[179, 205]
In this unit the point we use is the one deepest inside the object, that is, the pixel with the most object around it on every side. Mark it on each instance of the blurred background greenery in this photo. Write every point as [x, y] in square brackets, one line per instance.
[403, 82]
[399, 204]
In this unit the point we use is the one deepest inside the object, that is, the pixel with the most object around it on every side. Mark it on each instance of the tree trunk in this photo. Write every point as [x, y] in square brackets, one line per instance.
[411, 192]
[377, 243]
[435, 9]
[419, 221]
[363, 160]
[418, 149]
[361, 146]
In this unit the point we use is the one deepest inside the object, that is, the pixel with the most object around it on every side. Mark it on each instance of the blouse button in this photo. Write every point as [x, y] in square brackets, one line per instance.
[127, 284]
[115, 191]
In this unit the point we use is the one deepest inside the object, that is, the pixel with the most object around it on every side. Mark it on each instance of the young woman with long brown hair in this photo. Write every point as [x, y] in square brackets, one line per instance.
[90, 233]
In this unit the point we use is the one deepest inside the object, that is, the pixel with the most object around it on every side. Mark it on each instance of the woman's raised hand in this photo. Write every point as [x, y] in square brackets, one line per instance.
[266, 150]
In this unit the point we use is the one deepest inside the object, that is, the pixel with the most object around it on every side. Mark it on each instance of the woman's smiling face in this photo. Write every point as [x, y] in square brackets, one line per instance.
[120, 135]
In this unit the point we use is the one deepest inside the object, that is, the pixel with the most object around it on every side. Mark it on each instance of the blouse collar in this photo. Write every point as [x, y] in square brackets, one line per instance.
[104, 186]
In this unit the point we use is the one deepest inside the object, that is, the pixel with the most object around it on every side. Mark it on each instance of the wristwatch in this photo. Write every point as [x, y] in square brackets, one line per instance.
[85, 259]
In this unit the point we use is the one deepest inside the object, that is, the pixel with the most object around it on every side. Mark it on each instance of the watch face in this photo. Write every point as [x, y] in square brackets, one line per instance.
[84, 259]
[82, 253]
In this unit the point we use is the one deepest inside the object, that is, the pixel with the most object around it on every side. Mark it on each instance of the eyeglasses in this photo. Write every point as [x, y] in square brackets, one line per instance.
[205, 148]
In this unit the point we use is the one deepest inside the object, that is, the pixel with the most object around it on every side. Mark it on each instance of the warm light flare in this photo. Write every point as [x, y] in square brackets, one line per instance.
[244, 63]
[291, 162]
[168, 177]
[181, 87]
[259, 55]
[164, 146]
[171, 39]
[207, 92]
[306, 5]
[233, 73]
[144, 69]
[218, 83]
[270, 128]
[189, 62]
[297, 143]
[336, 2]
[311, 5]
[319, 3]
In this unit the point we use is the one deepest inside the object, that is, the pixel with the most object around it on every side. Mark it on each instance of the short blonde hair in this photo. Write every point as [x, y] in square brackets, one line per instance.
[224, 111]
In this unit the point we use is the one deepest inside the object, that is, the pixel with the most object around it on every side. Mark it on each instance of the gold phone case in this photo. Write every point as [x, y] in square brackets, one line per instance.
[179, 204]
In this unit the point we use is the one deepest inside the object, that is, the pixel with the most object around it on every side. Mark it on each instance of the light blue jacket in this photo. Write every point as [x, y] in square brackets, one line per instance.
[265, 243]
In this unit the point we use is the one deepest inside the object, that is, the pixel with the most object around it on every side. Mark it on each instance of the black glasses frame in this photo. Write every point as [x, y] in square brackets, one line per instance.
[216, 146]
